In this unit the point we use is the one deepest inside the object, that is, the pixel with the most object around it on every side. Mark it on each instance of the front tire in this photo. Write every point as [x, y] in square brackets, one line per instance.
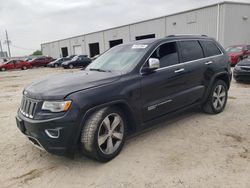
[103, 134]
[71, 66]
[217, 98]
[24, 68]
[3, 69]
[56, 65]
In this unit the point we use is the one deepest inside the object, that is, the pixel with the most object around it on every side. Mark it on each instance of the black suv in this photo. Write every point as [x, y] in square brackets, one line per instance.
[124, 90]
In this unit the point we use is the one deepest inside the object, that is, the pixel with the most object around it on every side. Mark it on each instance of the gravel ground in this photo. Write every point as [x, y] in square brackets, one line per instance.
[191, 150]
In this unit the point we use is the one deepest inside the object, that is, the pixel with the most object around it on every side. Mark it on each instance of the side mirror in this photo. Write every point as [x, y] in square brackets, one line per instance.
[153, 64]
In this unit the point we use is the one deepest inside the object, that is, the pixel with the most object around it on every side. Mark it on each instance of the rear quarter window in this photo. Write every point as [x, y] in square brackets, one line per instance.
[191, 50]
[210, 48]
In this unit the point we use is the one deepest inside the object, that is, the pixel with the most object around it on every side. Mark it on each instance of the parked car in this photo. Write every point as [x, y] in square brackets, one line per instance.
[242, 70]
[237, 53]
[77, 61]
[41, 61]
[128, 88]
[15, 64]
[58, 62]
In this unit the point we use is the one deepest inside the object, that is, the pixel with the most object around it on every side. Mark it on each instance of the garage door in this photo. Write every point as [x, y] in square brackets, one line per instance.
[77, 50]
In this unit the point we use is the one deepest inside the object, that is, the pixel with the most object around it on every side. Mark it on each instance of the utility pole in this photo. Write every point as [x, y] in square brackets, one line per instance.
[1, 49]
[8, 42]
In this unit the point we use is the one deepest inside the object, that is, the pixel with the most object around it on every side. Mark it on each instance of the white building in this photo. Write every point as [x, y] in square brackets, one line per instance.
[228, 22]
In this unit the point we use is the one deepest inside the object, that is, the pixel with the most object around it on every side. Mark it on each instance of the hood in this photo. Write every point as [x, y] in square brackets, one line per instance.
[58, 86]
[244, 62]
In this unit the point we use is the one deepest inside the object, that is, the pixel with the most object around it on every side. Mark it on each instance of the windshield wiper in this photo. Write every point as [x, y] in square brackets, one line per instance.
[99, 70]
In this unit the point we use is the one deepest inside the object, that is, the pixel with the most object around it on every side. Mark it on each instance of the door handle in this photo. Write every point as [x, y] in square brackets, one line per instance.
[179, 70]
[209, 62]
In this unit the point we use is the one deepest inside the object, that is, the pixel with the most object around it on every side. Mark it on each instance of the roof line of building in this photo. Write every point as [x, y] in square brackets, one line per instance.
[173, 14]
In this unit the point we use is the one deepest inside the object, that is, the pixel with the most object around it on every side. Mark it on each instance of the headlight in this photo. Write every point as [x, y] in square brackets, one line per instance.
[56, 106]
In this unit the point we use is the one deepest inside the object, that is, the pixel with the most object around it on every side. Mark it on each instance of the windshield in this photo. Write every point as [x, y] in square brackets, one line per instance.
[121, 58]
[75, 58]
[5, 62]
[234, 49]
[58, 60]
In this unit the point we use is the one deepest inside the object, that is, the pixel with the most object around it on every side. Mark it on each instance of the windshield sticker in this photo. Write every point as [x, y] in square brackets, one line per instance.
[139, 46]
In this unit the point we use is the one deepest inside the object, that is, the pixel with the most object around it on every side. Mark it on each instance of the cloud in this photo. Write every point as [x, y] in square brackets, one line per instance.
[32, 22]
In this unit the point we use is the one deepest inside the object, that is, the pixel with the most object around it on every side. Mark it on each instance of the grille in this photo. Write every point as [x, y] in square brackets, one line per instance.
[28, 107]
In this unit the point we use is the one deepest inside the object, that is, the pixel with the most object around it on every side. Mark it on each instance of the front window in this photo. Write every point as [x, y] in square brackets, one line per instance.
[75, 58]
[234, 49]
[121, 58]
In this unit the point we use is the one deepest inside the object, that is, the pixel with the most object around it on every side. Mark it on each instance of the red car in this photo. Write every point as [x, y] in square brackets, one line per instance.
[237, 53]
[41, 61]
[15, 64]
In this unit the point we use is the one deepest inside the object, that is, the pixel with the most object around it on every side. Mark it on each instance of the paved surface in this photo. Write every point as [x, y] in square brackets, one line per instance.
[192, 150]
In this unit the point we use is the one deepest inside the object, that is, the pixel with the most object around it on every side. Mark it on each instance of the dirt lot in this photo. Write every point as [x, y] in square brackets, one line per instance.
[193, 150]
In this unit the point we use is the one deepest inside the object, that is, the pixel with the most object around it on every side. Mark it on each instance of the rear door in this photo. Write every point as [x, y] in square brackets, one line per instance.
[164, 90]
[213, 56]
[193, 57]
[18, 64]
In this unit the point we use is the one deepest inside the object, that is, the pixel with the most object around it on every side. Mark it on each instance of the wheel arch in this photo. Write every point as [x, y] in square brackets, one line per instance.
[121, 104]
[219, 76]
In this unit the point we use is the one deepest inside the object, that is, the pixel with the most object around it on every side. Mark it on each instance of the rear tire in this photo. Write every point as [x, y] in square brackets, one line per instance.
[104, 133]
[71, 66]
[217, 98]
[56, 65]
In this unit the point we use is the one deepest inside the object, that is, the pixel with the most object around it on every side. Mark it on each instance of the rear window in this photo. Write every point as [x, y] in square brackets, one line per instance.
[210, 48]
[191, 50]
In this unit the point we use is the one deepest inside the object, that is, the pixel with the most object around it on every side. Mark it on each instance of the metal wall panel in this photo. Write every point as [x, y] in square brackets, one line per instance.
[156, 26]
[237, 24]
[233, 29]
[117, 33]
[202, 21]
[97, 37]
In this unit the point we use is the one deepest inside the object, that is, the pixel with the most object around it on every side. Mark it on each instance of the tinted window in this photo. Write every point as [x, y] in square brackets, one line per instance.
[210, 48]
[167, 54]
[191, 50]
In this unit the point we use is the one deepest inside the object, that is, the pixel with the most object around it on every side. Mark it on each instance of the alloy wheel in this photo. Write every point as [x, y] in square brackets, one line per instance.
[219, 97]
[111, 133]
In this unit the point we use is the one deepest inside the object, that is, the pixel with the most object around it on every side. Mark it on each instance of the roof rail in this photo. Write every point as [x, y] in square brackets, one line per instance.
[189, 35]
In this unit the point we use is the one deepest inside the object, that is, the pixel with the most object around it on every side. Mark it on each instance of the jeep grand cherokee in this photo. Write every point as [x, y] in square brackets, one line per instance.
[125, 89]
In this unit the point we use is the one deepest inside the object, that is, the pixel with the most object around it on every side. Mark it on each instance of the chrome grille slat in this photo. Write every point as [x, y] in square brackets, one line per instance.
[28, 107]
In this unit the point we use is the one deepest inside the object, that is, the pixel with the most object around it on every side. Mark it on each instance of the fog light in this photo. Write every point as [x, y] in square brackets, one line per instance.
[53, 133]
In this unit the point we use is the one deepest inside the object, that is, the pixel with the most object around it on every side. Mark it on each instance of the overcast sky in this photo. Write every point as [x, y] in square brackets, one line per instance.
[32, 22]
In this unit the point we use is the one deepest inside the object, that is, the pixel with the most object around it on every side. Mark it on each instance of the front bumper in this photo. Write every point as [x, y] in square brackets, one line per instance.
[37, 131]
[241, 75]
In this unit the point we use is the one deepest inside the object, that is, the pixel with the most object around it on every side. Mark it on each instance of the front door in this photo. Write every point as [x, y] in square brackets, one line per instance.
[164, 90]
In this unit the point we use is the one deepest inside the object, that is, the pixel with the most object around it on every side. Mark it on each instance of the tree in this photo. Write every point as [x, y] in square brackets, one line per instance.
[38, 52]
